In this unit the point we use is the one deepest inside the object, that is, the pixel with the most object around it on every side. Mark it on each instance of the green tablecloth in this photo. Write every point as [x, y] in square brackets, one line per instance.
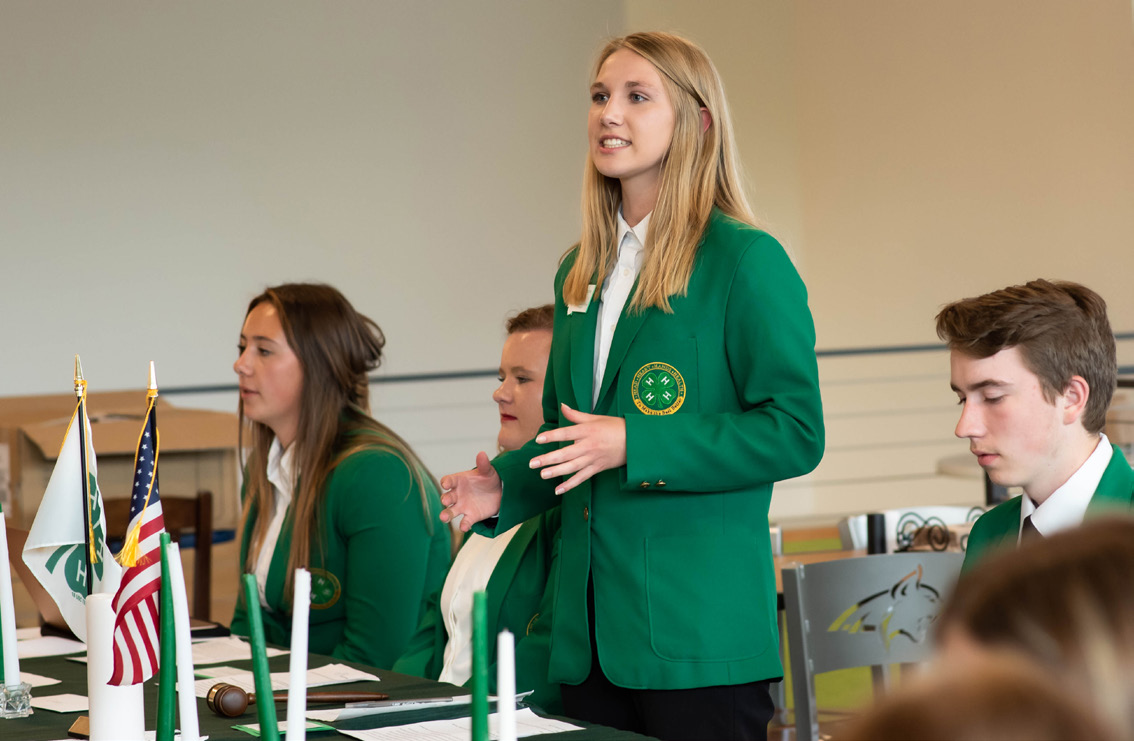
[45, 725]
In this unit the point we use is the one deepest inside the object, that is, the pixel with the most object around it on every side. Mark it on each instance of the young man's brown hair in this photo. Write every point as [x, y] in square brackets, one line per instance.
[1060, 328]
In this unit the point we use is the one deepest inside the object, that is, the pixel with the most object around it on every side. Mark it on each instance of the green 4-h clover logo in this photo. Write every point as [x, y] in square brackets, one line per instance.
[325, 589]
[658, 388]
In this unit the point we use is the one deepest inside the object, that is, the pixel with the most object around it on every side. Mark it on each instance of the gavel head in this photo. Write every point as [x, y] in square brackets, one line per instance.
[227, 700]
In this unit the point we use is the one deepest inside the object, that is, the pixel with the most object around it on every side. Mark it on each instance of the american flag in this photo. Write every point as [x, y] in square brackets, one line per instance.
[136, 603]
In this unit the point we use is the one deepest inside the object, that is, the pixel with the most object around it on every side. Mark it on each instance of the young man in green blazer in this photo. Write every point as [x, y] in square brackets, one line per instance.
[1034, 367]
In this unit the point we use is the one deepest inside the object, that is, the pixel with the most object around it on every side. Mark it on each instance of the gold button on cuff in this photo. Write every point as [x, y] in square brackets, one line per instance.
[645, 484]
[586, 514]
[660, 483]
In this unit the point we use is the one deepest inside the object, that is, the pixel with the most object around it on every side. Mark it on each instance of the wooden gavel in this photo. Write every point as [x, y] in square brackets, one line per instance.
[229, 701]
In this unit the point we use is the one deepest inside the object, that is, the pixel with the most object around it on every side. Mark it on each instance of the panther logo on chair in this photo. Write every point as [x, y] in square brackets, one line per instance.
[906, 609]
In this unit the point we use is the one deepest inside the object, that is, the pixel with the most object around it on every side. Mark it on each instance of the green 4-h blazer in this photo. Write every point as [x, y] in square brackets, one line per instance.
[1000, 526]
[518, 597]
[371, 566]
[721, 399]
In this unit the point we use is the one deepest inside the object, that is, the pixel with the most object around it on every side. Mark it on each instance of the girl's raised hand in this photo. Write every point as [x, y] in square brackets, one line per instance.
[472, 495]
[598, 443]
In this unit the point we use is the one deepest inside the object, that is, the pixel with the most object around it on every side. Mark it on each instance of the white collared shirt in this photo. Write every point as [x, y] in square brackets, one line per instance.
[470, 572]
[1067, 505]
[631, 243]
[281, 475]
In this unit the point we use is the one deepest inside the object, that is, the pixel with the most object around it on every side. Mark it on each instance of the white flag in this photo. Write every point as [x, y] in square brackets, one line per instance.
[55, 547]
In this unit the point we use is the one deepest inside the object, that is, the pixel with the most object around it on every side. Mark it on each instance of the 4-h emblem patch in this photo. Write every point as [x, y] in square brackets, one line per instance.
[325, 589]
[658, 388]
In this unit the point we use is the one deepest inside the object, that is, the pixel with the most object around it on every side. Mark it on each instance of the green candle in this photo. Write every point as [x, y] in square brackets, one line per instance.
[265, 705]
[167, 663]
[480, 668]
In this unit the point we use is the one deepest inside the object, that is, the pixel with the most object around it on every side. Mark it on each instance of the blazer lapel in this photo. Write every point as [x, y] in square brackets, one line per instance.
[505, 570]
[582, 353]
[628, 325]
[1115, 487]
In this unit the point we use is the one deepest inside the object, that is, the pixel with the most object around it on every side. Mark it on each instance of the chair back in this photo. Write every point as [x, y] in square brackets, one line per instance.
[183, 516]
[865, 611]
[900, 525]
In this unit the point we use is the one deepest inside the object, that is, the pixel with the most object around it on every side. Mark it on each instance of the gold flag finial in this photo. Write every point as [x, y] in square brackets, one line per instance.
[80, 382]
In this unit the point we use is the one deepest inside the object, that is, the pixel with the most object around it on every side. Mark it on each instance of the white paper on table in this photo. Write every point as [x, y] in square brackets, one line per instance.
[36, 680]
[321, 677]
[394, 706]
[382, 707]
[48, 646]
[152, 736]
[230, 648]
[67, 703]
[459, 729]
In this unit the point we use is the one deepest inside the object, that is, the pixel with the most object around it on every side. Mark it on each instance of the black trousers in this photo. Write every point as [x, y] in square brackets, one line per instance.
[723, 713]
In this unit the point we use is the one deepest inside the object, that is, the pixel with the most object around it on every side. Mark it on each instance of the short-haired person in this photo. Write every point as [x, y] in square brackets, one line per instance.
[1035, 367]
[512, 568]
[682, 385]
[326, 486]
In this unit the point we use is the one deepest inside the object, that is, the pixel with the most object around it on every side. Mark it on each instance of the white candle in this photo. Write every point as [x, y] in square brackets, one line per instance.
[186, 697]
[116, 713]
[8, 612]
[297, 680]
[506, 686]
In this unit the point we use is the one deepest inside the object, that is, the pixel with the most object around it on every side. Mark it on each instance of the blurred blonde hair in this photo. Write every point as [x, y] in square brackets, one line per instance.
[999, 696]
[1067, 603]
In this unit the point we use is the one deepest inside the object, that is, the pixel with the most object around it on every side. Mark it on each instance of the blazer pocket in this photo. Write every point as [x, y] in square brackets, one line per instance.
[705, 600]
[659, 377]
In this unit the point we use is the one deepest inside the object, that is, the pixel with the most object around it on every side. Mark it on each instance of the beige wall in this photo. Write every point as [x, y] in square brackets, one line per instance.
[953, 148]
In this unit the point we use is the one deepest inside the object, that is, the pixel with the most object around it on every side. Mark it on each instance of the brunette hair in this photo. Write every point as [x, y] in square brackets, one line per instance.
[528, 320]
[700, 171]
[1066, 601]
[336, 347]
[1061, 329]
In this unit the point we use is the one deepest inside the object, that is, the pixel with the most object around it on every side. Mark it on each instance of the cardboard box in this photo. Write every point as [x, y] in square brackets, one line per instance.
[198, 450]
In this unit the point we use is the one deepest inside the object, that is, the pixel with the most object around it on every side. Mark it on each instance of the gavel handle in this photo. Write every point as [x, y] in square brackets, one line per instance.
[314, 697]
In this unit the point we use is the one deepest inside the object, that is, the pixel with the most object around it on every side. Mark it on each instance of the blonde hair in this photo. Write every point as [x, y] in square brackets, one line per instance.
[700, 171]
[336, 347]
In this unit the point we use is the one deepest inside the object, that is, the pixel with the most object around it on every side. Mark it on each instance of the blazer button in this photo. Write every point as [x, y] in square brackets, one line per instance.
[660, 483]
[645, 484]
[586, 514]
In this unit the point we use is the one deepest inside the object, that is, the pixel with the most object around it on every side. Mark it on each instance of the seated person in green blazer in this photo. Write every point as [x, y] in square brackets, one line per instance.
[513, 567]
[1035, 368]
[326, 486]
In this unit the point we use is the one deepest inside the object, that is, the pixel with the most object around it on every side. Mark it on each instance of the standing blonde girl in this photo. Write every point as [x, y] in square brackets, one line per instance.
[682, 385]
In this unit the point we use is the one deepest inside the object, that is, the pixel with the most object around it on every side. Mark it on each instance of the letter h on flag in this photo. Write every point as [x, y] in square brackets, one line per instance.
[135, 605]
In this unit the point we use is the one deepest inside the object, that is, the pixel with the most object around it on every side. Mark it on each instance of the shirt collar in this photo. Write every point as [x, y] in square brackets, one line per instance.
[1067, 505]
[281, 472]
[639, 231]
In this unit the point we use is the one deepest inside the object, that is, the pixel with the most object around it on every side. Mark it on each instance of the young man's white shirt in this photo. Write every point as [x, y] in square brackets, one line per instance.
[1067, 505]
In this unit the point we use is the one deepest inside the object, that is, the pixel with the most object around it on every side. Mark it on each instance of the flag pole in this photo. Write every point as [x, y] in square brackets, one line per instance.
[81, 394]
